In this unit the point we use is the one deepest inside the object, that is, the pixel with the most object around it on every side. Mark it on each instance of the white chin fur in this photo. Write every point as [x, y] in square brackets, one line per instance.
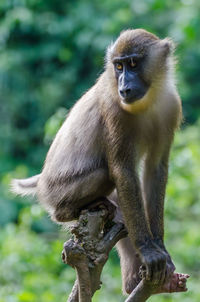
[142, 104]
[129, 107]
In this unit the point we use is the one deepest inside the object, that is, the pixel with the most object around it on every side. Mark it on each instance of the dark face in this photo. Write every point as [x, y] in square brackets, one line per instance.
[128, 71]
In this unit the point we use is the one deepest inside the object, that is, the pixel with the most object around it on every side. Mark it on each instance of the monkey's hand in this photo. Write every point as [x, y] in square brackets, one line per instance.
[154, 262]
[170, 267]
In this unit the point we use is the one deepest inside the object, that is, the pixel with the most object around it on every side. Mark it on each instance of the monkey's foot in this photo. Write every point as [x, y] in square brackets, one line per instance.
[177, 283]
[102, 203]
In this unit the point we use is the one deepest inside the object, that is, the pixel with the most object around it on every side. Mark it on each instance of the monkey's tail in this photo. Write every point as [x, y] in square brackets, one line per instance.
[25, 186]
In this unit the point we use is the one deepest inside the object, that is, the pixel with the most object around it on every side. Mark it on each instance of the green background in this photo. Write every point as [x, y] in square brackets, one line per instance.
[51, 52]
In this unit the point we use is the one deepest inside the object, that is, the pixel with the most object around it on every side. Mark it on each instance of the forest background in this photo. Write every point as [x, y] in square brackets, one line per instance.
[51, 52]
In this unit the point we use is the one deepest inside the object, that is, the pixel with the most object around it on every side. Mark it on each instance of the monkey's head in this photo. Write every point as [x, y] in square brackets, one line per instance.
[139, 62]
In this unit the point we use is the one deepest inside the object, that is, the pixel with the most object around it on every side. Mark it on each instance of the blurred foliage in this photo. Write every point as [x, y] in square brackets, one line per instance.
[51, 52]
[30, 263]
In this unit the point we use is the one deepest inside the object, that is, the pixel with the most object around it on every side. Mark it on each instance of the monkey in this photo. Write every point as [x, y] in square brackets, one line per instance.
[118, 136]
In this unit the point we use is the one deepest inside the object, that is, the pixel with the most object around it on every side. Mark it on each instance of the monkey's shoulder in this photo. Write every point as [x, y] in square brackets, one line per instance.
[171, 110]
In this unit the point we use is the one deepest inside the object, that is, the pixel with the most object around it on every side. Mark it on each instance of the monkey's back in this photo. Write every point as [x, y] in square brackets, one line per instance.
[77, 145]
[77, 148]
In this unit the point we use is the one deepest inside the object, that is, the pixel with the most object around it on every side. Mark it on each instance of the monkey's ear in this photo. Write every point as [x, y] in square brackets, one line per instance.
[167, 46]
[109, 52]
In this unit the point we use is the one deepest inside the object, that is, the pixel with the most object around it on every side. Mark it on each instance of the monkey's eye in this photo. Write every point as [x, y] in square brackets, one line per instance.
[119, 66]
[132, 63]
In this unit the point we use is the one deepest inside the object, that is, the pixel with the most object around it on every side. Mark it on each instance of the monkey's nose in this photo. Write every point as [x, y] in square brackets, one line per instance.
[125, 93]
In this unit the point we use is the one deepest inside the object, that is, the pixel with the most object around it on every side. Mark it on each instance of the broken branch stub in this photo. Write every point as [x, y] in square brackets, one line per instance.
[87, 252]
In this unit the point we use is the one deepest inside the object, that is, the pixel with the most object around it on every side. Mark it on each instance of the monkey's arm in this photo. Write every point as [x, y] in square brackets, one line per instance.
[155, 180]
[121, 166]
[156, 169]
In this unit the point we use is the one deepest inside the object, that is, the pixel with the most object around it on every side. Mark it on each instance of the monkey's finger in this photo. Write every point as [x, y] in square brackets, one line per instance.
[154, 272]
[161, 268]
[183, 279]
[161, 271]
[181, 284]
[168, 274]
[185, 276]
[148, 271]
[163, 276]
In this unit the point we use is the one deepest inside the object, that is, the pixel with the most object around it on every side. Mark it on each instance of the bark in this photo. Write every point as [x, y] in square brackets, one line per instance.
[94, 237]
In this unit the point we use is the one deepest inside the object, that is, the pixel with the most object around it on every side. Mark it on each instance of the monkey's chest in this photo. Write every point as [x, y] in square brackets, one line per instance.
[148, 140]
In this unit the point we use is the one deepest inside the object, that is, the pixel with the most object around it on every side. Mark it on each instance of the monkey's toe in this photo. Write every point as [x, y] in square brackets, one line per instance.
[177, 283]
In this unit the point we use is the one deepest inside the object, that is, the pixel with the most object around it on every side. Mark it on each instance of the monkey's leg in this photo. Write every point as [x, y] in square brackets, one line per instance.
[83, 191]
[130, 265]
[129, 259]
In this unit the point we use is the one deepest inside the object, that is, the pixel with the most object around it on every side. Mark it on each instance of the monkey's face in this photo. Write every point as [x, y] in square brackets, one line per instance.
[138, 60]
[131, 84]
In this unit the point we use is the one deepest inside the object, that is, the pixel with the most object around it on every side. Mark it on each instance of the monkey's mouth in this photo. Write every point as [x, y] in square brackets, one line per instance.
[132, 99]
[128, 100]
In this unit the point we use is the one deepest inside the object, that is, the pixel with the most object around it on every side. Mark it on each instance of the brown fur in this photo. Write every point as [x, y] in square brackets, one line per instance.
[101, 145]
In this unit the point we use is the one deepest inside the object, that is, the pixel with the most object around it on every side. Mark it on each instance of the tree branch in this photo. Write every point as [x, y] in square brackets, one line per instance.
[94, 235]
